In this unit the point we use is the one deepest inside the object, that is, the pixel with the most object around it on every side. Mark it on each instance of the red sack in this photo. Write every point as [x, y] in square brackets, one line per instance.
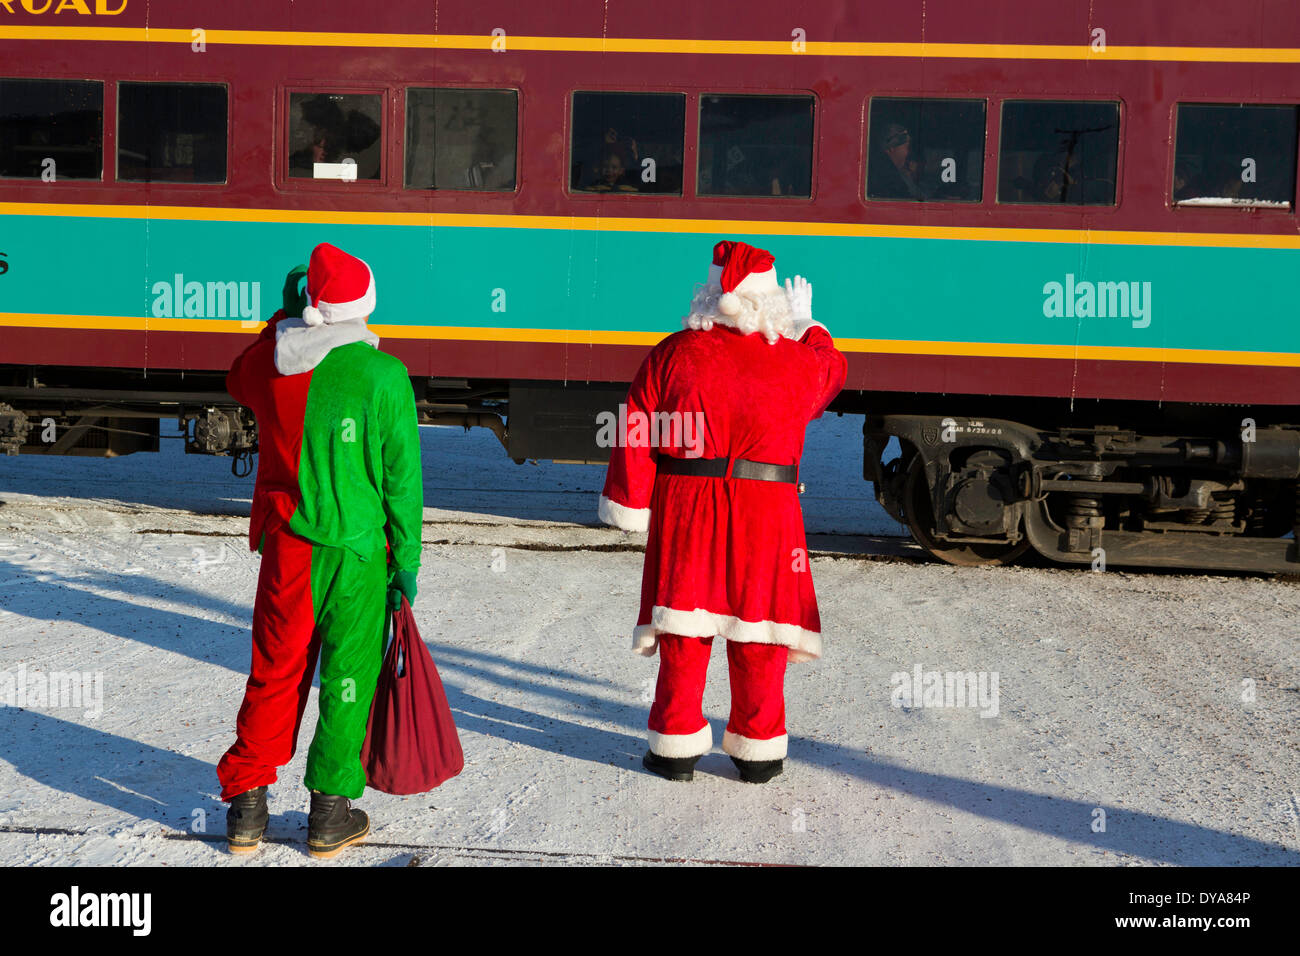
[411, 742]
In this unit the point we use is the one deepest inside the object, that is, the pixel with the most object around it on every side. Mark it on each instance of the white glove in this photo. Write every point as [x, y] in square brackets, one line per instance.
[799, 293]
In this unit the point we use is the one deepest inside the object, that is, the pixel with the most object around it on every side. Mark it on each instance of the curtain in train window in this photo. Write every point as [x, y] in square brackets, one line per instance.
[925, 149]
[628, 143]
[461, 139]
[171, 132]
[756, 145]
[336, 136]
[1058, 153]
[1235, 155]
[51, 129]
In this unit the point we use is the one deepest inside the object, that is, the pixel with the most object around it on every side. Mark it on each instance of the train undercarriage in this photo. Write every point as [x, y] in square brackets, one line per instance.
[1192, 487]
[107, 413]
[1125, 484]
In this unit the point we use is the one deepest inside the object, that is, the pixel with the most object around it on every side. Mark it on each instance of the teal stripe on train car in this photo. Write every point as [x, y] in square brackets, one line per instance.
[951, 290]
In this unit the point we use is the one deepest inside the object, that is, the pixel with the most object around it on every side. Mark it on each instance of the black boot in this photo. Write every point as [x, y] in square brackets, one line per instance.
[670, 768]
[246, 820]
[758, 771]
[333, 825]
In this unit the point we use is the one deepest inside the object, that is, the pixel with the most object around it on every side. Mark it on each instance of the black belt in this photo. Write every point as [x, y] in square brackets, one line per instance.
[717, 468]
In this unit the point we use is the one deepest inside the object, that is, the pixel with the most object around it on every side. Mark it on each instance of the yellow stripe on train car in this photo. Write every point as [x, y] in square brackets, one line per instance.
[634, 45]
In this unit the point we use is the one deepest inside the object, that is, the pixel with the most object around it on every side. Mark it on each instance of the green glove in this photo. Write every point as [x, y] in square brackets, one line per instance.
[401, 582]
[294, 299]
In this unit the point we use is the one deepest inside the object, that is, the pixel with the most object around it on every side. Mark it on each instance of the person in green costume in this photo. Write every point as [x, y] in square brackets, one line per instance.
[337, 512]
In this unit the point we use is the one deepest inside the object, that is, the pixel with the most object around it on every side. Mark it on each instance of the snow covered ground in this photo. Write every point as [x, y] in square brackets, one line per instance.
[1138, 718]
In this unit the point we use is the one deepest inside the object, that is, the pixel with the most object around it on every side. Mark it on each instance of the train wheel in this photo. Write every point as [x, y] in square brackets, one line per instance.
[920, 521]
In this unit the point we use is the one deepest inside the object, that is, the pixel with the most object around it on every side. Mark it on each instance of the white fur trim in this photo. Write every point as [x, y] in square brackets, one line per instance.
[804, 645]
[758, 283]
[746, 748]
[300, 347]
[801, 327]
[683, 745]
[645, 640]
[621, 516]
[335, 312]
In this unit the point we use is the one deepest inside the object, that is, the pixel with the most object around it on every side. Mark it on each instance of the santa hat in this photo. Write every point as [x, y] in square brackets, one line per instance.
[340, 287]
[740, 269]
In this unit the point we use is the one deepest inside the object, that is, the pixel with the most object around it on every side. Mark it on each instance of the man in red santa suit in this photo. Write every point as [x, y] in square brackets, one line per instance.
[726, 553]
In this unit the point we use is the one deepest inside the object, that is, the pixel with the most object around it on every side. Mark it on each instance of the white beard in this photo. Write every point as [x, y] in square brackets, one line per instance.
[768, 313]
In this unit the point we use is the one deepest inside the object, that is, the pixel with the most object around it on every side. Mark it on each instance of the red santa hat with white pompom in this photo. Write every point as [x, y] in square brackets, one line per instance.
[340, 287]
[740, 269]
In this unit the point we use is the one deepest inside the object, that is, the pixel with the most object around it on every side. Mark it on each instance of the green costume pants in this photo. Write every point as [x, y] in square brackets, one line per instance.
[312, 601]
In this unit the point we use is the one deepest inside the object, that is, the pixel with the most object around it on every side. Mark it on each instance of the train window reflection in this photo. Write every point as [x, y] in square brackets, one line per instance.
[1235, 155]
[925, 149]
[756, 146]
[171, 132]
[461, 139]
[1058, 153]
[51, 129]
[336, 136]
[628, 143]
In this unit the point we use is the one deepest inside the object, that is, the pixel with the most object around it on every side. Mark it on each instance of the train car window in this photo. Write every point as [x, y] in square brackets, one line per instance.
[1058, 153]
[461, 139]
[171, 132]
[628, 143]
[336, 136]
[925, 149]
[756, 145]
[51, 129]
[1235, 155]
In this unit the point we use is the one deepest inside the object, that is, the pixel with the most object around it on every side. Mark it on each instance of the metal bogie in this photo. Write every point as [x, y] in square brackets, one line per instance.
[1096, 494]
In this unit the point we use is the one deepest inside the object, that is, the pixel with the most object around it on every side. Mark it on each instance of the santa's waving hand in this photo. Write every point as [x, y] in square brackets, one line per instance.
[707, 462]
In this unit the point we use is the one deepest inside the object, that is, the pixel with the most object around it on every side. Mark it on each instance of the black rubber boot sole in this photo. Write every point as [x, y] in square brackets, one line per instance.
[244, 844]
[758, 771]
[670, 768]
